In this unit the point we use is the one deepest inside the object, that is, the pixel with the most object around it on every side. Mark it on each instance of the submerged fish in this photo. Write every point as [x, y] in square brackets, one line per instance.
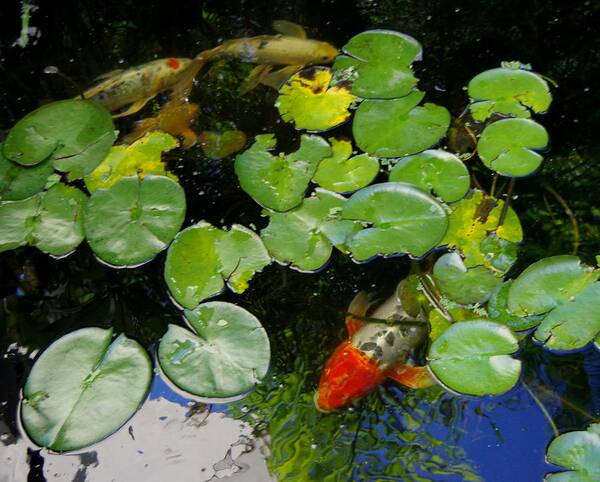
[291, 49]
[374, 352]
[134, 87]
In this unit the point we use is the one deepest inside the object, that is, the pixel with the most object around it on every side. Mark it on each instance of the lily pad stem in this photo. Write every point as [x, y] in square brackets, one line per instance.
[494, 184]
[509, 193]
[542, 408]
[569, 212]
[432, 296]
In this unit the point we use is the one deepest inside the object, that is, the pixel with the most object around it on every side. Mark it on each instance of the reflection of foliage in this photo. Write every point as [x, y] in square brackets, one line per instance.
[383, 437]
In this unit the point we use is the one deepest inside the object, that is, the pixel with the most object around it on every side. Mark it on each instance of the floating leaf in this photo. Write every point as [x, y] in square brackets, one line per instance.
[140, 158]
[403, 219]
[202, 258]
[82, 388]
[473, 358]
[396, 128]
[579, 452]
[225, 355]
[134, 220]
[470, 222]
[278, 182]
[461, 284]
[497, 308]
[506, 146]
[304, 236]
[565, 291]
[217, 145]
[19, 182]
[434, 170]
[379, 62]
[52, 221]
[75, 134]
[309, 101]
[342, 173]
[499, 254]
[508, 91]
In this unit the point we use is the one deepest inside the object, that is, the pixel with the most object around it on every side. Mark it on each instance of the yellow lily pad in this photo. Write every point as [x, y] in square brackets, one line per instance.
[309, 101]
[140, 158]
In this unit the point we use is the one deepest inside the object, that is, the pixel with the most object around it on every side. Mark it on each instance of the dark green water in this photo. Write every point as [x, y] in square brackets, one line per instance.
[393, 434]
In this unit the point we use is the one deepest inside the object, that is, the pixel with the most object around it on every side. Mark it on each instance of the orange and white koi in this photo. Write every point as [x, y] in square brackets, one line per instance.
[374, 351]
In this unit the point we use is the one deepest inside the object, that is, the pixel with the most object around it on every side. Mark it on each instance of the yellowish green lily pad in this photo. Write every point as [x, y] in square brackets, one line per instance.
[471, 221]
[508, 146]
[342, 173]
[434, 170]
[279, 182]
[140, 158]
[309, 101]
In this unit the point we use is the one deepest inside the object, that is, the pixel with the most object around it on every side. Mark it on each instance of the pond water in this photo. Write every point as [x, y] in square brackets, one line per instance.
[275, 432]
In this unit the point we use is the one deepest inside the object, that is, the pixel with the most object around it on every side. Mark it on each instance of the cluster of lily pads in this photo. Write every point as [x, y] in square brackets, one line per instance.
[426, 209]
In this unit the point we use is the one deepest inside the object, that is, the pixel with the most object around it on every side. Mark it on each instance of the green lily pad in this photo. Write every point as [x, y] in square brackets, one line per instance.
[217, 145]
[402, 219]
[20, 182]
[310, 101]
[473, 358]
[202, 258]
[140, 158]
[461, 284]
[52, 221]
[75, 134]
[379, 62]
[134, 220]
[508, 91]
[566, 292]
[342, 173]
[499, 254]
[279, 182]
[84, 387]
[497, 308]
[304, 236]
[434, 170]
[471, 221]
[506, 146]
[226, 354]
[579, 452]
[396, 128]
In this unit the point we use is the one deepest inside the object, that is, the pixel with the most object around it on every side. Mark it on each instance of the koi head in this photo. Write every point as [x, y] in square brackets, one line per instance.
[323, 53]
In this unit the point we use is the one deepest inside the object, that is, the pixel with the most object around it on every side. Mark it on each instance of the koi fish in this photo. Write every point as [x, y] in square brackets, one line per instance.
[291, 49]
[134, 87]
[373, 352]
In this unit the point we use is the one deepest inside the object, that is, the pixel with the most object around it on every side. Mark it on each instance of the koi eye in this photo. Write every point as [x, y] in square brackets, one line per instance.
[101, 97]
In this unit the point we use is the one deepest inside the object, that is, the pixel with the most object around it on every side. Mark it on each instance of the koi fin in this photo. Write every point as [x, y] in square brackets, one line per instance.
[356, 311]
[411, 377]
[277, 78]
[133, 108]
[254, 78]
[108, 75]
[291, 29]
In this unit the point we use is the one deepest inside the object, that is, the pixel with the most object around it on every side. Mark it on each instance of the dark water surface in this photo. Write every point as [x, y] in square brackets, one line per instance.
[393, 434]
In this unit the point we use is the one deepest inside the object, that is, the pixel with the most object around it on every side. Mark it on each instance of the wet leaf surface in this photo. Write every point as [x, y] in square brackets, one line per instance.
[279, 182]
[401, 219]
[341, 172]
[579, 453]
[399, 127]
[473, 358]
[508, 91]
[507, 146]
[75, 134]
[434, 170]
[379, 64]
[310, 101]
[134, 220]
[304, 236]
[226, 354]
[20, 182]
[497, 308]
[83, 387]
